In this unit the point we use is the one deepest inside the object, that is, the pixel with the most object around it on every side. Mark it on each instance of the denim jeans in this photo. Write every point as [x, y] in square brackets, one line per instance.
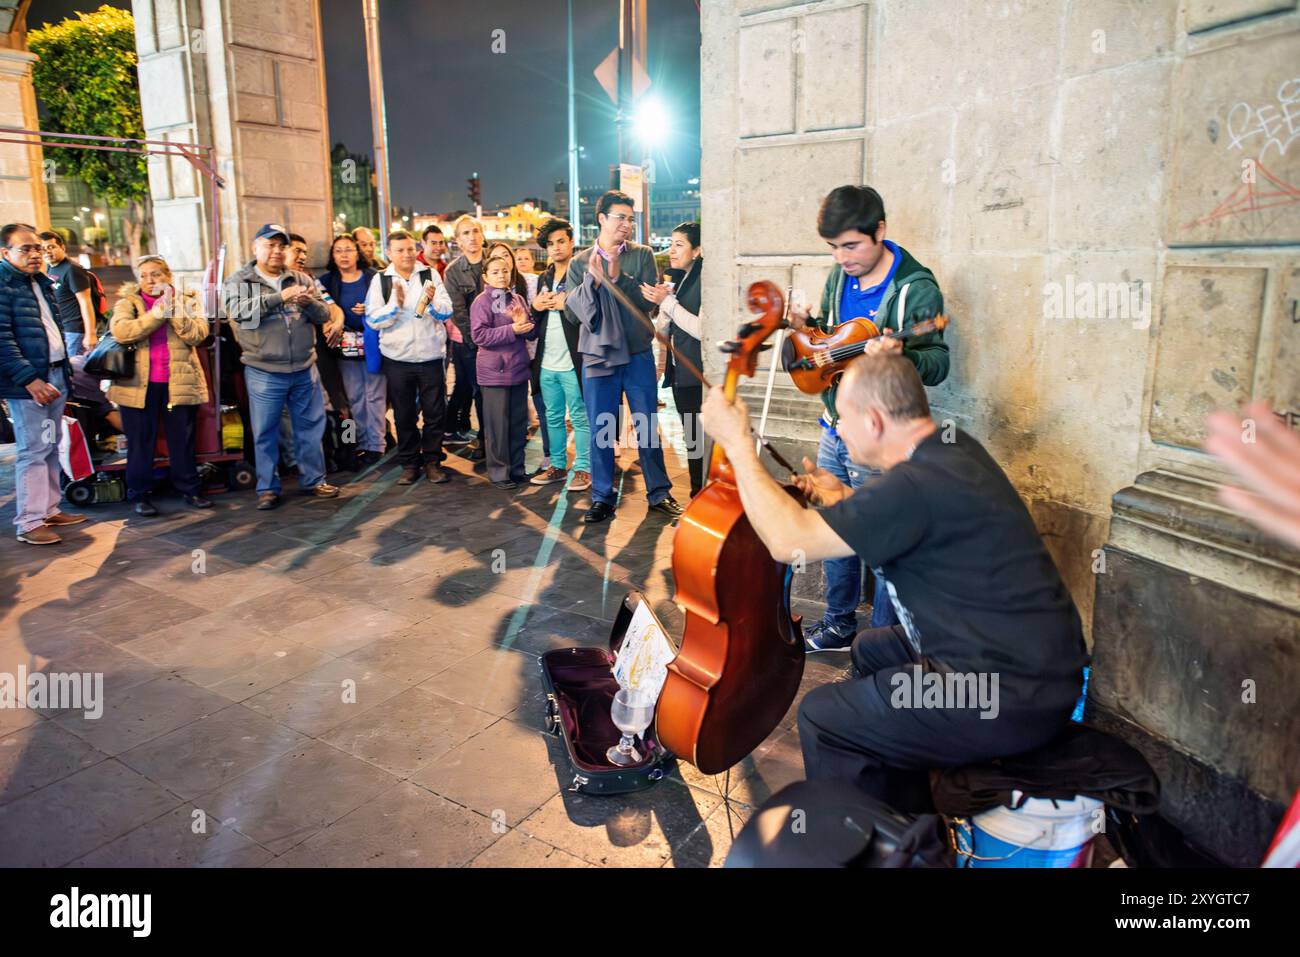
[465, 393]
[539, 404]
[268, 394]
[560, 390]
[368, 400]
[603, 396]
[844, 575]
[72, 342]
[37, 429]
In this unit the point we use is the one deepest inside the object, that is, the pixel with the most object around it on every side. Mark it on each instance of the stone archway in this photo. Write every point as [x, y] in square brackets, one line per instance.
[23, 196]
[211, 71]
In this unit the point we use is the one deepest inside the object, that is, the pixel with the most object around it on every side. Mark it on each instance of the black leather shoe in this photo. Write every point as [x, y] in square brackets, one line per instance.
[198, 501]
[506, 485]
[146, 508]
[668, 506]
[600, 512]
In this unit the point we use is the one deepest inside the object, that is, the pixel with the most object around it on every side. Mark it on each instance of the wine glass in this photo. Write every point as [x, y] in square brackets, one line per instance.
[631, 712]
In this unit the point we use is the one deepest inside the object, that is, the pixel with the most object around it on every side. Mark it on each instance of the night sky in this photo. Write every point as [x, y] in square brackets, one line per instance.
[455, 107]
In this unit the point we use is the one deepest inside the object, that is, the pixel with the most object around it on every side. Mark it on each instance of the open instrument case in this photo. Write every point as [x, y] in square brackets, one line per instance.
[580, 687]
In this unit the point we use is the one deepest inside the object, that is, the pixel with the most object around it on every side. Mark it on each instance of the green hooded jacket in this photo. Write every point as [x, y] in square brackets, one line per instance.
[923, 300]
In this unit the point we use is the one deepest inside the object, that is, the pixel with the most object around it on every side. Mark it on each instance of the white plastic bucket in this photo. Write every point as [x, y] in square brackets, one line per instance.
[1039, 833]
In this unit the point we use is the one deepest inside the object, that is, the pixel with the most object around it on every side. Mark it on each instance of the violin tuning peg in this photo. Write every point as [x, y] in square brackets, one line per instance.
[746, 330]
[764, 347]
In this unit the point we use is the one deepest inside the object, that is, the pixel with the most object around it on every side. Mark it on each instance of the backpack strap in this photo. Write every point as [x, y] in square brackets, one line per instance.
[385, 285]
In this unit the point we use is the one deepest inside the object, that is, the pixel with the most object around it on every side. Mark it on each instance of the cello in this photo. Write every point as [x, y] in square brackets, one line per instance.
[742, 654]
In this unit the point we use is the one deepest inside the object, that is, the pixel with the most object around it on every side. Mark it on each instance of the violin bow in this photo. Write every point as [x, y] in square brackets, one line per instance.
[626, 303]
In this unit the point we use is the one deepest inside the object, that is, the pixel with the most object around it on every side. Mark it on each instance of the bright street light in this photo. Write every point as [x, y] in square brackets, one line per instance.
[651, 121]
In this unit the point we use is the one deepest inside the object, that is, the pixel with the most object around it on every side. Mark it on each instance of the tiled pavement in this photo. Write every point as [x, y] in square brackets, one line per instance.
[226, 639]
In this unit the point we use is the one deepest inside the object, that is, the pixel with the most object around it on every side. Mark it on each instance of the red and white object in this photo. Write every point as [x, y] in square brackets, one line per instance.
[74, 451]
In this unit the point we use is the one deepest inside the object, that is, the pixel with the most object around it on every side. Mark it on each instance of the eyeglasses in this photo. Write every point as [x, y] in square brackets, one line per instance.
[26, 250]
[621, 217]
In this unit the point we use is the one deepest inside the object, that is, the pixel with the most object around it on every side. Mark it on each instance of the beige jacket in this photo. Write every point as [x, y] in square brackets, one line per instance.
[132, 324]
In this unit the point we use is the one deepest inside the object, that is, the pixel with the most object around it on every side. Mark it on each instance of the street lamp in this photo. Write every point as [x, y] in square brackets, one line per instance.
[651, 122]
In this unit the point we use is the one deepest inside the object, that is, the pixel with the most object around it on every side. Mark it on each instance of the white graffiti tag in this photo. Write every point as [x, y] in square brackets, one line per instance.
[1277, 124]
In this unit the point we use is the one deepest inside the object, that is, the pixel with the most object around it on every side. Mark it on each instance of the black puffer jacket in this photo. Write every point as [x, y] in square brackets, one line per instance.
[24, 344]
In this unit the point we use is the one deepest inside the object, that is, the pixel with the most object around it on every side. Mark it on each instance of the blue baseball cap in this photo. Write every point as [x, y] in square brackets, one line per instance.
[271, 230]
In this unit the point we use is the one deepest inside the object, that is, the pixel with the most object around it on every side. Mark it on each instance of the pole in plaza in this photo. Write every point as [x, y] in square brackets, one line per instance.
[378, 116]
[631, 76]
[574, 195]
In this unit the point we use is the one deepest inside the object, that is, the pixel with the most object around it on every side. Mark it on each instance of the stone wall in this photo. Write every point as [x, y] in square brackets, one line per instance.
[1079, 147]
[246, 77]
[23, 197]
[1109, 193]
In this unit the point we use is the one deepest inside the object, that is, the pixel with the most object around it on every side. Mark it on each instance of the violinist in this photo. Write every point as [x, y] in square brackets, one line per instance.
[876, 279]
[986, 660]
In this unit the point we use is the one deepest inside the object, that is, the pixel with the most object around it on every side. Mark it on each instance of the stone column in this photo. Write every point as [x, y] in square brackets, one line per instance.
[23, 197]
[248, 80]
[1197, 628]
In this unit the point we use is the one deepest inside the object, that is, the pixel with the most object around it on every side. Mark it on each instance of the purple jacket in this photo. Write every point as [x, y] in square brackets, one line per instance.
[502, 356]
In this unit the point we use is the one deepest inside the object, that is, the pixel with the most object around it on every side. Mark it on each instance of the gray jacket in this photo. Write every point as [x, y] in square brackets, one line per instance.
[464, 281]
[600, 336]
[275, 336]
[636, 266]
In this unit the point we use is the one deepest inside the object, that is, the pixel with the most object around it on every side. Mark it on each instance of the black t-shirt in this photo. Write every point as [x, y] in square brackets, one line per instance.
[69, 279]
[974, 587]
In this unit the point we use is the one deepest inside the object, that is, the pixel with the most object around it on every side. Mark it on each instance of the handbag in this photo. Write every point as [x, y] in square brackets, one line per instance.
[353, 344]
[111, 360]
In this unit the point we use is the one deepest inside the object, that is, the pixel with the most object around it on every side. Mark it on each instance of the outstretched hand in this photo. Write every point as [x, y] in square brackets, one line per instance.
[1265, 455]
[819, 486]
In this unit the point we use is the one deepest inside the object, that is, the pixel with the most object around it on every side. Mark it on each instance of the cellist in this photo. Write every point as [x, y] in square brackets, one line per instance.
[877, 279]
[987, 658]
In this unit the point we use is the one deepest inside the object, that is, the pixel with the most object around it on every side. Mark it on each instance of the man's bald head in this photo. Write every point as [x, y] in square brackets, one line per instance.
[887, 382]
[883, 409]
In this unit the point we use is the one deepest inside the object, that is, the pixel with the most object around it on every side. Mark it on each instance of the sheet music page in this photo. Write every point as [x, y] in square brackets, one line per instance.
[642, 661]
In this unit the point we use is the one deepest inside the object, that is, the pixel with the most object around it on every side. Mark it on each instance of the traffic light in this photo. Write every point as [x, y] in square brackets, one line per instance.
[475, 190]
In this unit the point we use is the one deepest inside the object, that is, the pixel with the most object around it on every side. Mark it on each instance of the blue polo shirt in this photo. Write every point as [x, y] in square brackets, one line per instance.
[857, 302]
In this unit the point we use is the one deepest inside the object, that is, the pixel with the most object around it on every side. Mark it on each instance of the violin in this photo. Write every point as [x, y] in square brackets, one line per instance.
[815, 359]
[742, 653]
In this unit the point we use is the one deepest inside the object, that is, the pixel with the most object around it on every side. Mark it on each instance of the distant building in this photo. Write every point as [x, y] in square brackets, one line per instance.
[671, 204]
[516, 224]
[86, 221]
[356, 199]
